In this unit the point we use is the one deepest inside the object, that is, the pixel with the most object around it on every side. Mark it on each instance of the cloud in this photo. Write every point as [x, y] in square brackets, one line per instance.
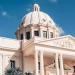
[29, 7]
[5, 14]
[62, 32]
[53, 1]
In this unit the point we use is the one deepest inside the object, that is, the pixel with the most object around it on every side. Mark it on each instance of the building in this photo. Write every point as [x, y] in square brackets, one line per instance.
[38, 47]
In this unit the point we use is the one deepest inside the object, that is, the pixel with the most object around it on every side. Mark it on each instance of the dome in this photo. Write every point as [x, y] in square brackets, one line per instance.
[37, 17]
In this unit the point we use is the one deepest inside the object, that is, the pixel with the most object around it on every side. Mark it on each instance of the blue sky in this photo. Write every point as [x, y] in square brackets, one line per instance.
[61, 11]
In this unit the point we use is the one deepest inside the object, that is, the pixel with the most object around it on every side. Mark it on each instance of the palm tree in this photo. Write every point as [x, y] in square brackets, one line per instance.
[13, 71]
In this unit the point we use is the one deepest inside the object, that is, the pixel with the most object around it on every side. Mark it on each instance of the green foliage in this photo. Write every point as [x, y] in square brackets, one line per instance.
[13, 71]
[28, 73]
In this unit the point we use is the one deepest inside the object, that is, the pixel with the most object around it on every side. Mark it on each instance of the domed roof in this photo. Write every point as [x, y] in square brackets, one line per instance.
[37, 17]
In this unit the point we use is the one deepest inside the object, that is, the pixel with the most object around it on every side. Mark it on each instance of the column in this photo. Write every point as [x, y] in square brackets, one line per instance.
[1, 64]
[4, 64]
[18, 35]
[23, 65]
[24, 33]
[61, 64]
[56, 63]
[32, 32]
[48, 33]
[36, 62]
[40, 32]
[41, 64]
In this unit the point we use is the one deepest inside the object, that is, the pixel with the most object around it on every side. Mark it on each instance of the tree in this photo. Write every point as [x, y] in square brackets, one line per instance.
[13, 71]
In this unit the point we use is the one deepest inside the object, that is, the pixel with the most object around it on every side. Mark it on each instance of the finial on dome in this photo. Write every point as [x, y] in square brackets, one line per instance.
[36, 7]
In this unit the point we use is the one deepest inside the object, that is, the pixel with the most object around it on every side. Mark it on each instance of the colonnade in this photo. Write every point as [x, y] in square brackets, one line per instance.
[57, 56]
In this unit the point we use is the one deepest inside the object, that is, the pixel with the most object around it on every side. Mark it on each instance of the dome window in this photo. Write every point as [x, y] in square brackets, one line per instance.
[45, 34]
[36, 33]
[43, 20]
[51, 34]
[28, 35]
[21, 36]
[22, 23]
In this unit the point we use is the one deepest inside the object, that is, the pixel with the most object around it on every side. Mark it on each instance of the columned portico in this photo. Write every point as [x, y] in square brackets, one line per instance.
[57, 56]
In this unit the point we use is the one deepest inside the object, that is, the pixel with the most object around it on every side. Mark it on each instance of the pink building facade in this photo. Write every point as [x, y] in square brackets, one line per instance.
[38, 47]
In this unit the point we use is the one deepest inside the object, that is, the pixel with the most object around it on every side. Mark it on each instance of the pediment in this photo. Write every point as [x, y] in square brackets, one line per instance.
[63, 42]
[52, 66]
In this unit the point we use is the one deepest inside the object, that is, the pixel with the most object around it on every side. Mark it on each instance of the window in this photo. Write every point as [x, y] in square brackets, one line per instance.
[45, 34]
[12, 63]
[21, 37]
[36, 33]
[22, 23]
[27, 35]
[51, 34]
[74, 68]
[39, 65]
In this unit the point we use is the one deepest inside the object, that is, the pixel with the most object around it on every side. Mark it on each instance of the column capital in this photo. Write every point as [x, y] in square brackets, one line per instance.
[31, 27]
[61, 54]
[41, 52]
[56, 54]
[4, 56]
[36, 51]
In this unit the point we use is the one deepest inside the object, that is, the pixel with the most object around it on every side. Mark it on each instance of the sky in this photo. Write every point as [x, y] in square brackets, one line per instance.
[61, 11]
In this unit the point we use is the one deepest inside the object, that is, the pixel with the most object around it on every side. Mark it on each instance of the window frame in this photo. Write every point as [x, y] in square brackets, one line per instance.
[21, 36]
[12, 63]
[28, 36]
[51, 34]
[74, 68]
[36, 32]
[45, 34]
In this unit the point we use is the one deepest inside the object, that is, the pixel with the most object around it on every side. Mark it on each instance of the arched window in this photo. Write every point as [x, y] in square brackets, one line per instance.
[51, 34]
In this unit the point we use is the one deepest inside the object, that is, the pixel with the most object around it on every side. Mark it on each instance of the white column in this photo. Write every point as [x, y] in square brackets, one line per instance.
[61, 64]
[48, 33]
[41, 64]
[36, 62]
[18, 35]
[1, 64]
[4, 64]
[24, 33]
[56, 63]
[32, 32]
[40, 32]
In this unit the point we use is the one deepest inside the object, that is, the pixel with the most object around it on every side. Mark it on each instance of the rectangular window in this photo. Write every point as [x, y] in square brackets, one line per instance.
[21, 36]
[27, 35]
[36, 33]
[45, 34]
[12, 63]
[39, 65]
[74, 68]
[51, 34]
